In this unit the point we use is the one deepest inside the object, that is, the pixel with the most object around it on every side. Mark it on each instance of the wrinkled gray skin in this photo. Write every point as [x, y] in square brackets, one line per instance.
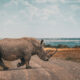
[23, 49]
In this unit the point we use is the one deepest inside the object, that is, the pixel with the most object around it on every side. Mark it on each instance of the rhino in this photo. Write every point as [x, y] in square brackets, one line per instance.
[22, 48]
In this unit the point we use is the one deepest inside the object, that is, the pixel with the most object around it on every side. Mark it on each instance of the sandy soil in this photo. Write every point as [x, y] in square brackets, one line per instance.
[54, 69]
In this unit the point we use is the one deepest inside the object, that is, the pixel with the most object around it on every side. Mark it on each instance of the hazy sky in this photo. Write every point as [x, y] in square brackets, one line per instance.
[40, 18]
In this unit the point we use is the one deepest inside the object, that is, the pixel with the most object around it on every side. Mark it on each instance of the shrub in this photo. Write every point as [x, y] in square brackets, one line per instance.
[58, 46]
[68, 58]
[62, 46]
[76, 46]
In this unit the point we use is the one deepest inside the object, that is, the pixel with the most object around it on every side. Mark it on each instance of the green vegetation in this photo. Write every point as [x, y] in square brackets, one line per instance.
[76, 46]
[58, 46]
[68, 58]
[61, 46]
[73, 59]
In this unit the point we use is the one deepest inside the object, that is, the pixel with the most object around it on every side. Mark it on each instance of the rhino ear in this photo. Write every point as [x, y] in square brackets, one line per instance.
[41, 42]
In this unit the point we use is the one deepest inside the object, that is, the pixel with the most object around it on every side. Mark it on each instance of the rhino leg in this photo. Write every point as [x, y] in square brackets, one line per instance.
[3, 65]
[22, 62]
[27, 60]
[27, 65]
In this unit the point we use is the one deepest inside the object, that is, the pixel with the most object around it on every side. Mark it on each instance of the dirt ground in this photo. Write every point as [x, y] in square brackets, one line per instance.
[54, 69]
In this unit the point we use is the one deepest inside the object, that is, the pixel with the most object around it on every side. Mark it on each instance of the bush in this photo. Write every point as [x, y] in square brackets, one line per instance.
[50, 46]
[76, 46]
[62, 46]
[58, 46]
[68, 58]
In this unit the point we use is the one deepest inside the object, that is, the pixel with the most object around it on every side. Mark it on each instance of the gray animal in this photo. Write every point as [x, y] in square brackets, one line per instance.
[23, 49]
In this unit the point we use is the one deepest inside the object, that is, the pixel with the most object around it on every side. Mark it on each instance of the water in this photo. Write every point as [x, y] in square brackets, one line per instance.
[71, 42]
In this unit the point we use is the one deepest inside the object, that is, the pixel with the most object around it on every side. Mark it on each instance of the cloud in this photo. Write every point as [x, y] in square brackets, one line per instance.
[71, 19]
[49, 11]
[63, 1]
[14, 16]
[31, 10]
[44, 1]
[55, 1]
[9, 22]
[27, 4]
[70, 1]
[23, 12]
[43, 13]
[41, 1]
[10, 3]
[75, 7]
[33, 15]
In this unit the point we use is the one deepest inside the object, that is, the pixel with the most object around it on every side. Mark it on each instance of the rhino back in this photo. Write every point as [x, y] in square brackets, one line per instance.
[17, 46]
[9, 44]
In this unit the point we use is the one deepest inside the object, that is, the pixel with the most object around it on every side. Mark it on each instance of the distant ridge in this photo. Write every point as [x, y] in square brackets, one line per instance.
[60, 38]
[71, 42]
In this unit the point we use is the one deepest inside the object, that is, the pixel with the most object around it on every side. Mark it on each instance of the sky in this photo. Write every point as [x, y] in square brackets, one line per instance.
[40, 18]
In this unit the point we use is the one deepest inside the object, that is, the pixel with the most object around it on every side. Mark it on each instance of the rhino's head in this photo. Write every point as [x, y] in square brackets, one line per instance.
[44, 54]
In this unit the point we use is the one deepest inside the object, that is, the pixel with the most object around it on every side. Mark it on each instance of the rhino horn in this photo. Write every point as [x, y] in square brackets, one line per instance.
[52, 53]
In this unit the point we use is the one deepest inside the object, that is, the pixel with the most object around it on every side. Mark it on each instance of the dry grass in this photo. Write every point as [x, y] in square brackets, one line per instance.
[67, 53]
